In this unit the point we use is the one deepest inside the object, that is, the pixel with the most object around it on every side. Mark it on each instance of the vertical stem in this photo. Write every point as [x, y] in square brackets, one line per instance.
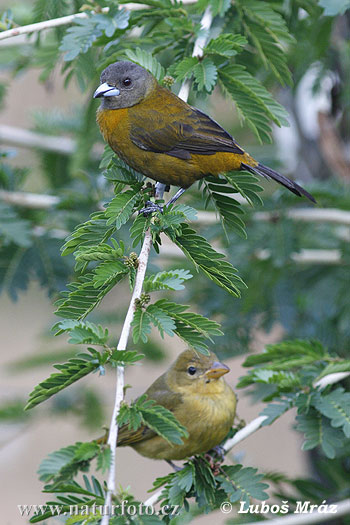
[119, 395]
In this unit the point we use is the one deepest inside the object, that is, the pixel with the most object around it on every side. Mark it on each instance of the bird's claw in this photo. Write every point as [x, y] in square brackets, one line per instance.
[215, 459]
[220, 452]
[151, 207]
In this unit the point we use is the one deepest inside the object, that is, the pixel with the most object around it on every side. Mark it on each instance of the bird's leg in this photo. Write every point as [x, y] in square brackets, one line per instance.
[178, 194]
[175, 467]
[220, 452]
[215, 459]
[152, 206]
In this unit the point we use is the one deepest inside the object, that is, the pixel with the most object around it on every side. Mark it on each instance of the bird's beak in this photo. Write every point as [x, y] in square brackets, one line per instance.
[217, 370]
[105, 90]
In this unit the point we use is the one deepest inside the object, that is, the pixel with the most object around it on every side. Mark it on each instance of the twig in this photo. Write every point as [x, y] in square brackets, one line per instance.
[31, 139]
[113, 429]
[29, 200]
[46, 24]
[254, 425]
[63, 21]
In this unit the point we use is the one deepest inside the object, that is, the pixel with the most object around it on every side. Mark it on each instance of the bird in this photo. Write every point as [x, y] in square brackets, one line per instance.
[195, 391]
[159, 135]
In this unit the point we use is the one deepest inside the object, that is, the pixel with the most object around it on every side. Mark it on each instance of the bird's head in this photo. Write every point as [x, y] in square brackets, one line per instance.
[124, 84]
[194, 371]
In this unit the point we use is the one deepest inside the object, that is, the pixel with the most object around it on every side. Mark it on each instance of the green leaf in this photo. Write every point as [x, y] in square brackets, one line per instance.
[164, 423]
[86, 451]
[120, 208]
[288, 354]
[201, 253]
[274, 410]
[115, 19]
[13, 229]
[190, 327]
[146, 60]
[123, 357]
[104, 459]
[90, 233]
[205, 74]
[219, 7]
[266, 30]
[109, 273]
[161, 320]
[82, 332]
[318, 432]
[82, 297]
[69, 372]
[168, 280]
[336, 406]
[138, 229]
[225, 45]
[80, 37]
[99, 252]
[242, 484]
[334, 368]
[253, 101]
[55, 461]
[141, 326]
[184, 68]
[156, 417]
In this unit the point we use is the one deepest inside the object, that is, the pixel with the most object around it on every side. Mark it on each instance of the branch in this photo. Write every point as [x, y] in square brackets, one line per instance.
[63, 21]
[119, 394]
[254, 425]
[31, 139]
[46, 24]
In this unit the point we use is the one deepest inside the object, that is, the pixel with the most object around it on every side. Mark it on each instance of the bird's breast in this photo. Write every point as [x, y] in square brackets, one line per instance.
[114, 126]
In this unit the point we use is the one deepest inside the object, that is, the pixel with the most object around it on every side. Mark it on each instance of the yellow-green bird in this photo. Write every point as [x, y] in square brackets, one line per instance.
[194, 389]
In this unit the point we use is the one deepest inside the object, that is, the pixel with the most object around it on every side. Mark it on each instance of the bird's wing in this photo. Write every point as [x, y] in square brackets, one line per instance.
[160, 393]
[181, 133]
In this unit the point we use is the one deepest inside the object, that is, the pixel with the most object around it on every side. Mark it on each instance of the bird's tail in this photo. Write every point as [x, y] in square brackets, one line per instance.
[292, 186]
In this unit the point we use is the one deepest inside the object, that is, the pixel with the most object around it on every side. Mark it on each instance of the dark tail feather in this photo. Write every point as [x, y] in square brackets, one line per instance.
[292, 186]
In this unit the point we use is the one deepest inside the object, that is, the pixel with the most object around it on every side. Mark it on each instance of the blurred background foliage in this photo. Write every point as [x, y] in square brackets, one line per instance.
[307, 299]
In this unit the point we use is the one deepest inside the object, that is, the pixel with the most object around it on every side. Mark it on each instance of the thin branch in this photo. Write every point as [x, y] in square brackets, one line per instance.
[63, 21]
[31, 139]
[46, 24]
[119, 395]
[29, 200]
[254, 425]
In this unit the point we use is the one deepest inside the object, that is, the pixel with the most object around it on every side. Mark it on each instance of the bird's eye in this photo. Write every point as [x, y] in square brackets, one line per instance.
[126, 82]
[191, 370]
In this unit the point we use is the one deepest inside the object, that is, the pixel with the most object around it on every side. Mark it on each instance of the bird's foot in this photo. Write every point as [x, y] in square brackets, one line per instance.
[215, 457]
[215, 466]
[220, 452]
[151, 207]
